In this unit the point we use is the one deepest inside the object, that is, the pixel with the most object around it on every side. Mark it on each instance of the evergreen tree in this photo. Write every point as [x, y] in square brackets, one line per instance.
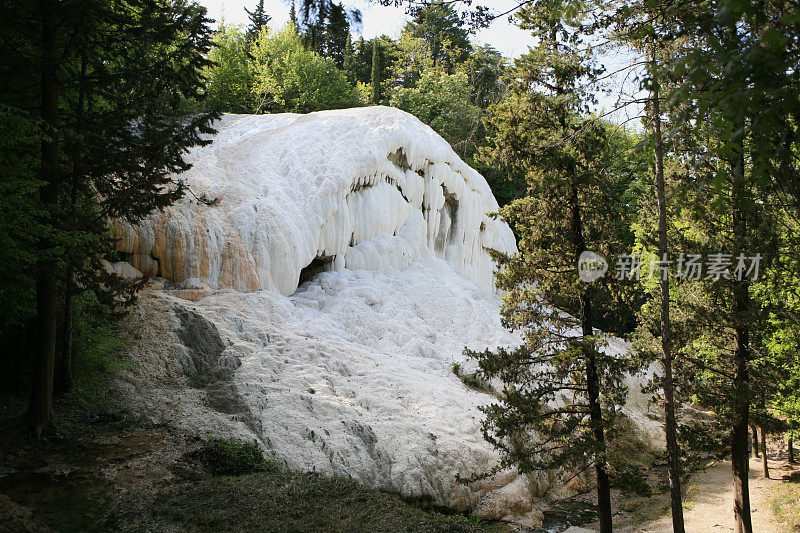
[337, 34]
[349, 60]
[258, 20]
[560, 389]
[440, 26]
[114, 79]
[293, 17]
[377, 68]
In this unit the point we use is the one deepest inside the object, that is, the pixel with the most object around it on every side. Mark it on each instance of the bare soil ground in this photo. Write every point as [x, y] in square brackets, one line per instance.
[709, 499]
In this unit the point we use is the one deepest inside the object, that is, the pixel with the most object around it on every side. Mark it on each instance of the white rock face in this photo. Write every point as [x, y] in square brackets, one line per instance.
[363, 189]
[351, 373]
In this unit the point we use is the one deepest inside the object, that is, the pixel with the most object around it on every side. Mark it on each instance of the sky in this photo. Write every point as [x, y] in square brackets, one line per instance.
[503, 35]
[379, 20]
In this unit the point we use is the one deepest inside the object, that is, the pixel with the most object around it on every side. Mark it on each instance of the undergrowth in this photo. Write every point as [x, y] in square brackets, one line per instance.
[785, 502]
[231, 457]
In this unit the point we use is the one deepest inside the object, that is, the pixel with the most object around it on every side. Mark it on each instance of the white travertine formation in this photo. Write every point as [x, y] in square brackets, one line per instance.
[351, 372]
[363, 189]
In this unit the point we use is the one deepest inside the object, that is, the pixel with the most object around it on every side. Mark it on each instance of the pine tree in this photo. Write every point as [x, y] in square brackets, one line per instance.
[560, 389]
[377, 67]
[293, 17]
[349, 60]
[258, 20]
[114, 79]
[337, 34]
[441, 27]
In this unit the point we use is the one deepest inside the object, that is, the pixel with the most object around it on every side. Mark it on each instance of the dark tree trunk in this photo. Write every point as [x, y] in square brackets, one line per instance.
[764, 452]
[790, 450]
[592, 383]
[69, 333]
[41, 406]
[740, 461]
[71, 289]
[670, 425]
[755, 443]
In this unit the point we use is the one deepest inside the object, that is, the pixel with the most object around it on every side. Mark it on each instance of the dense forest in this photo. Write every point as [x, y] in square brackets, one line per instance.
[693, 208]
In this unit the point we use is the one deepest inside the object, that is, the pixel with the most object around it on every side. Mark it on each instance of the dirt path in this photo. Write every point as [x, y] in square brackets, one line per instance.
[709, 500]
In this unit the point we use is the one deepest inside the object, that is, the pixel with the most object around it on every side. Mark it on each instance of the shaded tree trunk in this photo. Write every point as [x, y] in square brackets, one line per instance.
[764, 452]
[69, 333]
[740, 461]
[592, 383]
[670, 425]
[755, 443]
[71, 289]
[790, 450]
[41, 406]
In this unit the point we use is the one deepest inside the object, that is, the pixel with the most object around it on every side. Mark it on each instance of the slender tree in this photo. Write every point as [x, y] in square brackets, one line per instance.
[377, 68]
[559, 385]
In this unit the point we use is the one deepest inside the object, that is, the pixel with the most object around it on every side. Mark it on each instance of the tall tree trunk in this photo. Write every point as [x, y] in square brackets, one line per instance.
[670, 425]
[790, 450]
[755, 443]
[41, 406]
[77, 176]
[69, 333]
[764, 452]
[592, 383]
[740, 462]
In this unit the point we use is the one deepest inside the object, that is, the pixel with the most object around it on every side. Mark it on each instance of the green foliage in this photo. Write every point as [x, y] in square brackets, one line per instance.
[440, 26]
[560, 388]
[110, 107]
[630, 458]
[443, 102]
[230, 79]
[258, 20]
[376, 72]
[485, 68]
[289, 78]
[471, 380]
[20, 224]
[97, 346]
[231, 457]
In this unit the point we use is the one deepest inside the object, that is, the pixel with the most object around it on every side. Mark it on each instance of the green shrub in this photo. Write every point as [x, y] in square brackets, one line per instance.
[231, 457]
[630, 457]
[97, 346]
[629, 478]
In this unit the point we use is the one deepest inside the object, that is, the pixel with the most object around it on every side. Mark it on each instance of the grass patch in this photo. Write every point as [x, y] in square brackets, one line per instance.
[291, 501]
[97, 346]
[231, 457]
[784, 499]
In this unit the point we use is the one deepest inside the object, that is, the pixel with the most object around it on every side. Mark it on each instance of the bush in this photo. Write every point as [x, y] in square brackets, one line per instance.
[289, 78]
[231, 457]
[629, 478]
[629, 456]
